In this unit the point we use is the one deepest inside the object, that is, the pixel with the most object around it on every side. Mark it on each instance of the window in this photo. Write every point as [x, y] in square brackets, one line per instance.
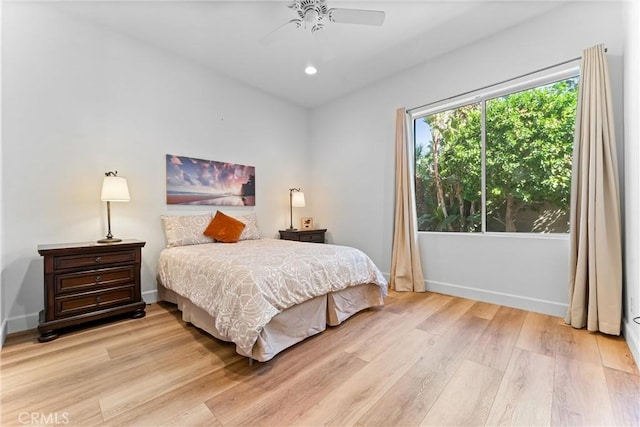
[500, 162]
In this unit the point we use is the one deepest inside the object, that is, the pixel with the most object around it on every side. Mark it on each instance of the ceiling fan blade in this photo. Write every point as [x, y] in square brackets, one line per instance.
[277, 34]
[356, 16]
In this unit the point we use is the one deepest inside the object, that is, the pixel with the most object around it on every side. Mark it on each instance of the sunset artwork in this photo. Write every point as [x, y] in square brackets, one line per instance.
[206, 182]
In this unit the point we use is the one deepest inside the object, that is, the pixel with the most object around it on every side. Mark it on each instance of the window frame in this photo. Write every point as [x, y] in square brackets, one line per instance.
[529, 81]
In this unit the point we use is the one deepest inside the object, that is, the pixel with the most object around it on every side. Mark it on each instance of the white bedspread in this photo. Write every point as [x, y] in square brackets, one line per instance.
[243, 285]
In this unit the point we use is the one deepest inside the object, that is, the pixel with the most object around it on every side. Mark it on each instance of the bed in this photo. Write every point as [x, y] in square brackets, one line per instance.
[266, 295]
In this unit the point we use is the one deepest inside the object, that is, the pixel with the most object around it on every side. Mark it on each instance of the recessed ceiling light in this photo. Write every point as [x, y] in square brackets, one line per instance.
[310, 70]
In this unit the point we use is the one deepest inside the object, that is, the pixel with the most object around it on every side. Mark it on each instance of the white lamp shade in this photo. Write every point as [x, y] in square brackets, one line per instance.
[114, 189]
[297, 199]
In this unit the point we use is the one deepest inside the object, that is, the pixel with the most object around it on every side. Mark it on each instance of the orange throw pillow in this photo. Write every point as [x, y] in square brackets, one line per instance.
[224, 228]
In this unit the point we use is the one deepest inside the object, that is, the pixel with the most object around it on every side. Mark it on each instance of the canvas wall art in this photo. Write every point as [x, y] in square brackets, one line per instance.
[206, 182]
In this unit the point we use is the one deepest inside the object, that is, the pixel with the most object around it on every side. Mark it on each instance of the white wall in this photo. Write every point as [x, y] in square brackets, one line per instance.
[3, 319]
[632, 179]
[79, 100]
[353, 154]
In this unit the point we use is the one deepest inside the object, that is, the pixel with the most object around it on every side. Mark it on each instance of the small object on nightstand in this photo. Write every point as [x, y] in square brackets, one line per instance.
[313, 236]
[89, 281]
[306, 223]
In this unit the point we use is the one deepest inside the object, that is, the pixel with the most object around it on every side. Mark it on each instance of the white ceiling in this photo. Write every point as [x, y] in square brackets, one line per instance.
[225, 36]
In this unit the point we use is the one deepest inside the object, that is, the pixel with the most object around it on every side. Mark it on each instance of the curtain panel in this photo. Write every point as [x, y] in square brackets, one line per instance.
[406, 268]
[595, 276]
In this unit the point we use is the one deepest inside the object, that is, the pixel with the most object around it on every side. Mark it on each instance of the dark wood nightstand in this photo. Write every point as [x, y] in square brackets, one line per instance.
[89, 281]
[313, 236]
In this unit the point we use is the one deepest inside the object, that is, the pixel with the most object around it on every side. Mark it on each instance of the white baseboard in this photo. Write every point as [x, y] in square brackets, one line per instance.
[150, 296]
[552, 308]
[632, 339]
[22, 323]
[3, 332]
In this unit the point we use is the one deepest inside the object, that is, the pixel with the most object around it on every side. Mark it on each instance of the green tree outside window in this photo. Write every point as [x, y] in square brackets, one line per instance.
[529, 143]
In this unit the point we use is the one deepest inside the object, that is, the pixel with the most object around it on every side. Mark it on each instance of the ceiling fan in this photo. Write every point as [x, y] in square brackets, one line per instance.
[314, 14]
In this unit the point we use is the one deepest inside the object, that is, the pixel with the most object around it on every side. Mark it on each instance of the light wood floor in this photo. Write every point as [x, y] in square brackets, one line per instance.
[423, 359]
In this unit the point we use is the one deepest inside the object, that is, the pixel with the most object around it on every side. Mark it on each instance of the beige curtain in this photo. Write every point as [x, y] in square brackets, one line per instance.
[406, 269]
[595, 280]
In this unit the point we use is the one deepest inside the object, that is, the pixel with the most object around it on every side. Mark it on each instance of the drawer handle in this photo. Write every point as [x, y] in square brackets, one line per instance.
[98, 299]
[98, 259]
[98, 278]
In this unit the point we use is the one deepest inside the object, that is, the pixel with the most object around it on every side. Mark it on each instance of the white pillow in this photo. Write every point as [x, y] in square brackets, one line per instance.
[250, 231]
[183, 230]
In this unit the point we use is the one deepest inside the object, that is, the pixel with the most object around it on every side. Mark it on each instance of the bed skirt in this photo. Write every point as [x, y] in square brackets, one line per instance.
[293, 324]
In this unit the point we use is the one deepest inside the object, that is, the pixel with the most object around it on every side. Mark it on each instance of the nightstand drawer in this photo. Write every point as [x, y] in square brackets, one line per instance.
[85, 280]
[97, 259]
[312, 237]
[309, 236]
[88, 302]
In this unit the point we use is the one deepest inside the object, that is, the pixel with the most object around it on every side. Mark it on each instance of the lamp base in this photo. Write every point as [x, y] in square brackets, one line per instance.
[110, 240]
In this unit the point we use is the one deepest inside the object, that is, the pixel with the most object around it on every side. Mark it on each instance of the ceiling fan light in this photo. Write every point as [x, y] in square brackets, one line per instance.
[310, 70]
[311, 15]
